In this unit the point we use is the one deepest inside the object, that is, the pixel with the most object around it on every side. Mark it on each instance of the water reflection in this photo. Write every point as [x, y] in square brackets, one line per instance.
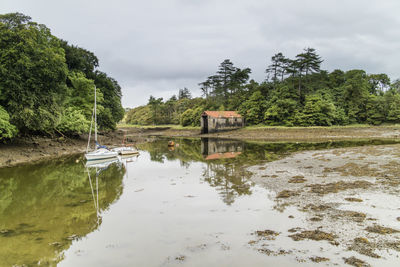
[226, 160]
[220, 148]
[223, 162]
[44, 207]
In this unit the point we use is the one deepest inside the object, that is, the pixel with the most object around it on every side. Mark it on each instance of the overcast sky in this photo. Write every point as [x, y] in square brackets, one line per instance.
[155, 47]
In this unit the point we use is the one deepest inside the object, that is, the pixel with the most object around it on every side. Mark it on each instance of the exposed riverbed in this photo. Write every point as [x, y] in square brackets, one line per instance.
[207, 202]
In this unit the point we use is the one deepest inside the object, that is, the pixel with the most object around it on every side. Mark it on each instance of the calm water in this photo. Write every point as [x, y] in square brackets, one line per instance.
[193, 205]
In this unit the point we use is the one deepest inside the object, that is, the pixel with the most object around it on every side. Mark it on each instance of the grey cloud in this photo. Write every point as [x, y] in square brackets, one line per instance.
[157, 46]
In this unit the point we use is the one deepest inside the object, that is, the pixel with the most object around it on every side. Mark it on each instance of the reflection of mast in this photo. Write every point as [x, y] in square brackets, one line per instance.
[129, 159]
[97, 190]
[96, 203]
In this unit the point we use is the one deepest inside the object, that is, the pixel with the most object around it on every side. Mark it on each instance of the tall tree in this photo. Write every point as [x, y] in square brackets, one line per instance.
[113, 111]
[205, 88]
[307, 63]
[80, 59]
[155, 104]
[355, 95]
[184, 93]
[225, 72]
[32, 73]
[276, 70]
[379, 83]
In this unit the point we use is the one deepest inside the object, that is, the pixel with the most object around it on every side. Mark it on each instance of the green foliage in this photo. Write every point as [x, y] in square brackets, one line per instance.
[296, 92]
[155, 106]
[7, 130]
[73, 121]
[184, 93]
[111, 92]
[44, 81]
[376, 110]
[281, 112]
[52, 190]
[393, 103]
[187, 117]
[254, 108]
[32, 73]
[316, 112]
[169, 112]
[139, 116]
[191, 117]
[340, 117]
[355, 95]
[79, 59]
[81, 93]
[196, 116]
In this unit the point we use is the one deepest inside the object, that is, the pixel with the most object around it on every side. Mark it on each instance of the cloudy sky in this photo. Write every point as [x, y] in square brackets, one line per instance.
[158, 46]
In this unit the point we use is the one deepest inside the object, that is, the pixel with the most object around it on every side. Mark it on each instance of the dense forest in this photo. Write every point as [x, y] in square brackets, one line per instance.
[295, 92]
[47, 85]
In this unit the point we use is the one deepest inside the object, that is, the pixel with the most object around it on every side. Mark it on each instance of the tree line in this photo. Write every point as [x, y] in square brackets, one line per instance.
[47, 85]
[296, 92]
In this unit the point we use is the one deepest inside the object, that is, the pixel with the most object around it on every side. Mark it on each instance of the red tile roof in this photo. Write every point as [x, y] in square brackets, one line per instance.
[217, 114]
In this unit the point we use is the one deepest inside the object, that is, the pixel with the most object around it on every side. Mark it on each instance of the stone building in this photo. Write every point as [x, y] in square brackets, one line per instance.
[215, 121]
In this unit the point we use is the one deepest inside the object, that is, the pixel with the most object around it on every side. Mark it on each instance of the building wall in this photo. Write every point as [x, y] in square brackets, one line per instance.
[222, 124]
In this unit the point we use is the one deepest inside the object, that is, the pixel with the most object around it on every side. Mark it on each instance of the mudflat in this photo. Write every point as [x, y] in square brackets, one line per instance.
[35, 148]
[348, 197]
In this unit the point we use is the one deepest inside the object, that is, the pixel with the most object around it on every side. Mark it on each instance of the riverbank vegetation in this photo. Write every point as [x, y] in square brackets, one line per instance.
[47, 85]
[296, 92]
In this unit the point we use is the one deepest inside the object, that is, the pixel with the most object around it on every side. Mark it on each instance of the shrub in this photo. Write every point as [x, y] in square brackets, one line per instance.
[7, 130]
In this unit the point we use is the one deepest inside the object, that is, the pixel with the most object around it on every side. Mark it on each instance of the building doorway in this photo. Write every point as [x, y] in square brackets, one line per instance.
[205, 124]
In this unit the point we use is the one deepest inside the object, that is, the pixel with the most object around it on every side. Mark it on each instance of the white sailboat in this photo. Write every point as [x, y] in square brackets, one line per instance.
[125, 149]
[100, 152]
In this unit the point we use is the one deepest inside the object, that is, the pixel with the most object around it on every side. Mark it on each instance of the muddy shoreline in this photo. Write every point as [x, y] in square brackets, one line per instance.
[33, 149]
[37, 148]
[347, 199]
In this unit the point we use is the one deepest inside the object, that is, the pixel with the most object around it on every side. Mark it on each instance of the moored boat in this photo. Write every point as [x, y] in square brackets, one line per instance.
[100, 152]
[125, 150]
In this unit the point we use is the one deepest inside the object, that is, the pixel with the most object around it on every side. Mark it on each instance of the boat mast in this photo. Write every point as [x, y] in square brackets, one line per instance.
[90, 131]
[95, 118]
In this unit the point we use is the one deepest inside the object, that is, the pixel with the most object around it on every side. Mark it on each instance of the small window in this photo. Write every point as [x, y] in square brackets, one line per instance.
[235, 119]
[213, 120]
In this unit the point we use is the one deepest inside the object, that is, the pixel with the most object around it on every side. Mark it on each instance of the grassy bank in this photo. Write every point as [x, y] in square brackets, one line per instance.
[163, 126]
[260, 127]
[275, 133]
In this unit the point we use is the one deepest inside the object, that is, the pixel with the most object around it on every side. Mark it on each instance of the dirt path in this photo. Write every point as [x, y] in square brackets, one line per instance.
[346, 202]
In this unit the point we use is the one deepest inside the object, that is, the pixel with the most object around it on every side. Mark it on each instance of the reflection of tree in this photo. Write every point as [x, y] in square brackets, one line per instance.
[230, 180]
[229, 175]
[44, 206]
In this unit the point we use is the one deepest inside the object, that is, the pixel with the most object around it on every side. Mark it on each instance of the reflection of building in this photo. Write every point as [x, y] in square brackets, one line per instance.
[220, 149]
[227, 155]
[214, 121]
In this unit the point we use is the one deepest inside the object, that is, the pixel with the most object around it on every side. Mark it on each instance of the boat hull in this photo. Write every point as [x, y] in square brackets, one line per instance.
[101, 155]
[125, 150]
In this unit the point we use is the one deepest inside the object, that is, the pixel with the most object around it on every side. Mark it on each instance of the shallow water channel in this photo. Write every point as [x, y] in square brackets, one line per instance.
[191, 205]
